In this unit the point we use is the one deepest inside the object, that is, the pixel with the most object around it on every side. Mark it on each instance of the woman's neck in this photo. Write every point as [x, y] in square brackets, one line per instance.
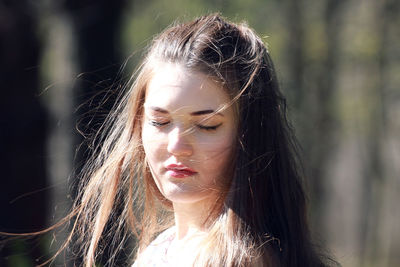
[190, 218]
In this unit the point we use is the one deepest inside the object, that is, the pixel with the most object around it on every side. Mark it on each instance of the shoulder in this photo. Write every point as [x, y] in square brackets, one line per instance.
[166, 236]
[155, 252]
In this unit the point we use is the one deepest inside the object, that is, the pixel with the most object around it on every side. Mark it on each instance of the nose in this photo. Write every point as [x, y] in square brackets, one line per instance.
[178, 143]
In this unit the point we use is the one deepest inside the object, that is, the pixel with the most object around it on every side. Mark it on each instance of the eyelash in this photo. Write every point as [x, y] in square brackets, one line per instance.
[202, 127]
[158, 124]
[208, 128]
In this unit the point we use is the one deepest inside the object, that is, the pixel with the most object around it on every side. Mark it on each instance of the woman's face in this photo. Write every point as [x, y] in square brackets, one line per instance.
[188, 142]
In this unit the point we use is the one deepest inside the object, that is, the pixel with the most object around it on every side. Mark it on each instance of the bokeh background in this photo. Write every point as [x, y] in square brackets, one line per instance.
[62, 62]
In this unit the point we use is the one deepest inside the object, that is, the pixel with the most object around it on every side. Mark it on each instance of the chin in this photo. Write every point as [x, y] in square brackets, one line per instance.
[189, 197]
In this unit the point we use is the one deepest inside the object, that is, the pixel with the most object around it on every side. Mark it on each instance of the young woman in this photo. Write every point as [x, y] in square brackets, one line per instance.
[198, 160]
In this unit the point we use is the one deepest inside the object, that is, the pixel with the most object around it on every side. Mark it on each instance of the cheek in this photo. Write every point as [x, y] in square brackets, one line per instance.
[153, 144]
[217, 154]
[152, 149]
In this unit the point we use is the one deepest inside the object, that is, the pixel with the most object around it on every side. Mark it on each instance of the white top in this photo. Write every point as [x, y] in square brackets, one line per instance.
[155, 255]
[167, 251]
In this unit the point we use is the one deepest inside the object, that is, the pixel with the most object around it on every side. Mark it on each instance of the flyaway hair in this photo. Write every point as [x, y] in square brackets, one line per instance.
[260, 217]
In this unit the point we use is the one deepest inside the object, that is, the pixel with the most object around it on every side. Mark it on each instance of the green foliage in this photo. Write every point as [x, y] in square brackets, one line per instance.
[338, 64]
[18, 256]
[143, 20]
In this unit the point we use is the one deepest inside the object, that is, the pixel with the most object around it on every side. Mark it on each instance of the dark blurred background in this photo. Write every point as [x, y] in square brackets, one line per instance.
[62, 63]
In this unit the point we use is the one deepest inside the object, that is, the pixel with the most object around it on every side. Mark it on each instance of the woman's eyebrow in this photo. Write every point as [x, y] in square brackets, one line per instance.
[157, 109]
[195, 113]
[205, 112]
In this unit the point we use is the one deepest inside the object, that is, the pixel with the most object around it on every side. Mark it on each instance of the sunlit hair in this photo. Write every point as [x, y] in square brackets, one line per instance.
[260, 219]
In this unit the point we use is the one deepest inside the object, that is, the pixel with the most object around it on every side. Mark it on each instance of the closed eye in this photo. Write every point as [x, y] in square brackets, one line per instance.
[200, 126]
[158, 124]
[208, 128]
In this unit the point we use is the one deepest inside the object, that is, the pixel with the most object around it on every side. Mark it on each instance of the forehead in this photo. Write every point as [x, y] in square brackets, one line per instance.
[173, 87]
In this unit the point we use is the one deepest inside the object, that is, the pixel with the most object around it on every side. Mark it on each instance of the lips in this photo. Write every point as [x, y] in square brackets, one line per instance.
[179, 171]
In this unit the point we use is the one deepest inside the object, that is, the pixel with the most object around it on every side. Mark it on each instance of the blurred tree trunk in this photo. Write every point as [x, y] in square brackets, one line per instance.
[322, 133]
[362, 174]
[381, 243]
[312, 88]
[97, 33]
[97, 26]
[23, 132]
[59, 69]
[79, 68]
[295, 51]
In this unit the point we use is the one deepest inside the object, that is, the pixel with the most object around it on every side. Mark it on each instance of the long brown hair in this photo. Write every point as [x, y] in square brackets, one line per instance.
[262, 218]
